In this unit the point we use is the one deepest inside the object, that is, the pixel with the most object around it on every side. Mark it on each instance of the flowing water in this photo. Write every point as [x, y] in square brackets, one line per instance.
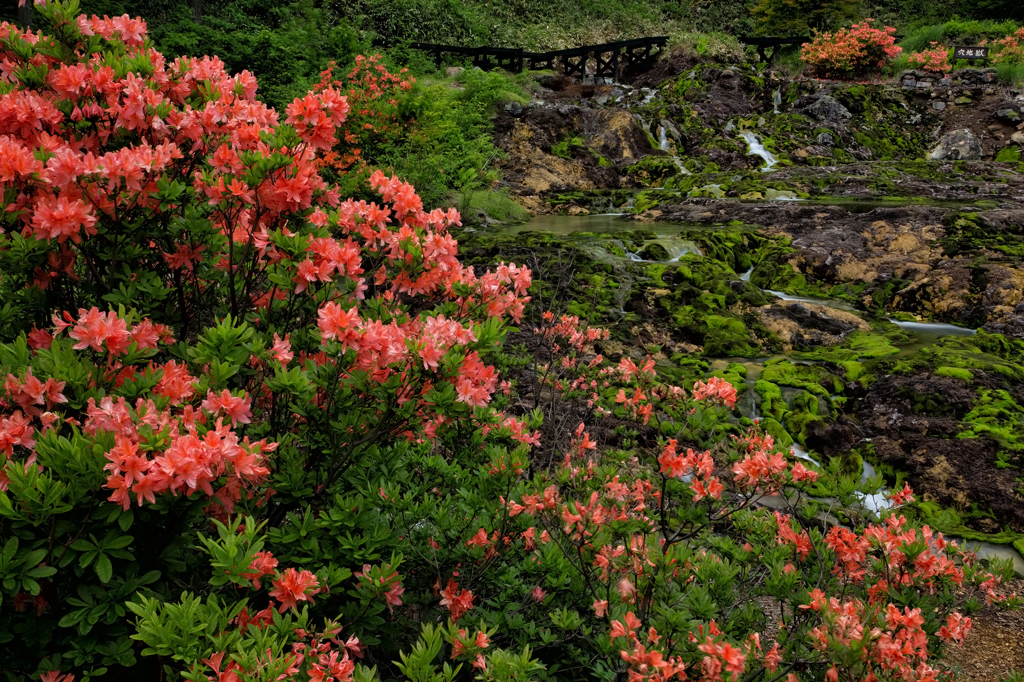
[835, 303]
[757, 149]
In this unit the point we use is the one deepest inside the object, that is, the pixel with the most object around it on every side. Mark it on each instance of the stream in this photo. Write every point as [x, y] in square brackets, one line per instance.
[667, 236]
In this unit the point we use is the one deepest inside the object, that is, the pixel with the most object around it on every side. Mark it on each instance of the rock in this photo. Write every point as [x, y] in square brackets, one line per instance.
[938, 106]
[1018, 137]
[924, 84]
[945, 82]
[818, 150]
[989, 77]
[454, 71]
[958, 145]
[779, 194]
[601, 100]
[909, 83]
[827, 108]
[514, 108]
[825, 140]
[1008, 115]
[962, 100]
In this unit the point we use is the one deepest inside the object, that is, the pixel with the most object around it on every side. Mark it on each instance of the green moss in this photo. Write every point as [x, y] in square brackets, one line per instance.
[955, 373]
[782, 437]
[727, 337]
[564, 148]
[996, 415]
[812, 378]
[853, 369]
[772, 403]
[1009, 154]
[654, 251]
[857, 345]
[967, 234]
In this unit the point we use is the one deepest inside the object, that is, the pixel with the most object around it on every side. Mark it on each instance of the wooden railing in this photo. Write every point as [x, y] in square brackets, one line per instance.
[608, 59]
[763, 44]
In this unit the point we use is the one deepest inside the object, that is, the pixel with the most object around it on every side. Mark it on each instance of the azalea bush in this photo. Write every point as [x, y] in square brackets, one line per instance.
[374, 95]
[1008, 50]
[254, 430]
[855, 50]
[935, 59]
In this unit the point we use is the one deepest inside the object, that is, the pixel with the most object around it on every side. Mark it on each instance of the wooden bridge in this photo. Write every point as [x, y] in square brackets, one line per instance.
[763, 44]
[608, 59]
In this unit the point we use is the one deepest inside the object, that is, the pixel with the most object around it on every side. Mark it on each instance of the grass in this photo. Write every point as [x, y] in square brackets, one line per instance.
[956, 31]
[1010, 74]
[475, 204]
[712, 46]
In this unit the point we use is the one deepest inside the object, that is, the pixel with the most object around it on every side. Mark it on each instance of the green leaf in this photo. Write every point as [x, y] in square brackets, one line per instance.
[104, 569]
[119, 543]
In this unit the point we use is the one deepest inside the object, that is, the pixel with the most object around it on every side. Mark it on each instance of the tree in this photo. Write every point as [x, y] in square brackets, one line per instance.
[784, 18]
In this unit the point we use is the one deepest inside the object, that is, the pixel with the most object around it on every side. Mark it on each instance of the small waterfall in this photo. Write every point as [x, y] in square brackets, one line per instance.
[745, 277]
[751, 383]
[827, 302]
[877, 502]
[801, 453]
[667, 147]
[776, 101]
[757, 149]
[677, 248]
[934, 328]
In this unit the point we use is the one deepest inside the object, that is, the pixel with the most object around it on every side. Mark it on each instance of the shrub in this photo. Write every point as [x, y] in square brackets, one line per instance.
[935, 60]
[272, 438]
[1009, 50]
[855, 50]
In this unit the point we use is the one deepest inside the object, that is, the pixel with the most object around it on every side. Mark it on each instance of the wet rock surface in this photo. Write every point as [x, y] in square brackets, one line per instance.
[914, 421]
[959, 145]
[852, 214]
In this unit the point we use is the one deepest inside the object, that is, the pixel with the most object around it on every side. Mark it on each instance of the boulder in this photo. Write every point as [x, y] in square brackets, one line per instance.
[1009, 115]
[959, 145]
[827, 108]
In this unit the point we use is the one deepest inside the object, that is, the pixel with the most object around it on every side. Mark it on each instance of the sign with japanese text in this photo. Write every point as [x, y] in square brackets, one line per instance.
[970, 52]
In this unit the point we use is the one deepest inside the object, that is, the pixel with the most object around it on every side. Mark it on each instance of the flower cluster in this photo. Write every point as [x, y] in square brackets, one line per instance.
[1008, 50]
[851, 50]
[934, 59]
[373, 94]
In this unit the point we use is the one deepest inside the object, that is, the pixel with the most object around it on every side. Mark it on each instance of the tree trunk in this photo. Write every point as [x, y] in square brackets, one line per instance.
[197, 11]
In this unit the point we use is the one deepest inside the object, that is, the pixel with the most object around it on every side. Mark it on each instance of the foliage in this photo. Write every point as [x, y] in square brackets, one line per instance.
[283, 432]
[285, 45]
[374, 95]
[801, 17]
[449, 148]
[935, 59]
[851, 51]
[1009, 50]
[956, 32]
